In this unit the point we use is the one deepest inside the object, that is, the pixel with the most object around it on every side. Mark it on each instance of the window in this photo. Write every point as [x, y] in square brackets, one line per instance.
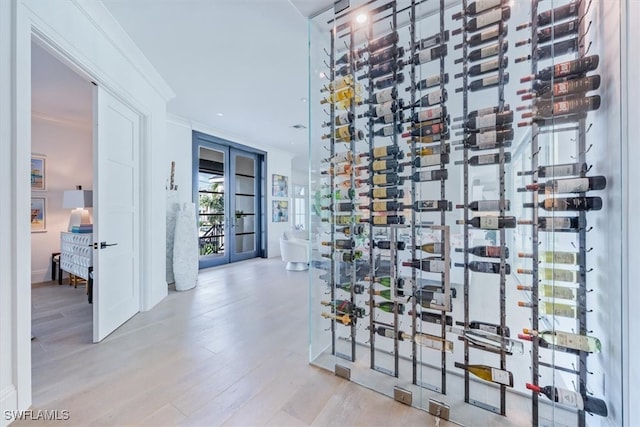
[299, 207]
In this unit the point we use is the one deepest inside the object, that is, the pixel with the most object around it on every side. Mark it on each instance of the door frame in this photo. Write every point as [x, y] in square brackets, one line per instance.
[29, 28]
[200, 139]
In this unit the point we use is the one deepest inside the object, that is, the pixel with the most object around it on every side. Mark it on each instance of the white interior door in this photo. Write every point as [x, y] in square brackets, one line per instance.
[116, 287]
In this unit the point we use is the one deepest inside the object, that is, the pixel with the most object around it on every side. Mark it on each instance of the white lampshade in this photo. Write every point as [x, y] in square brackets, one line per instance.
[78, 200]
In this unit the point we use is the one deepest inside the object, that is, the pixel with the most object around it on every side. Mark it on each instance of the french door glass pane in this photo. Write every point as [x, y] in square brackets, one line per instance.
[211, 207]
[245, 204]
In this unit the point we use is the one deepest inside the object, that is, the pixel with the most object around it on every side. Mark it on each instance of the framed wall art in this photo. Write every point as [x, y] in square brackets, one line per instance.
[280, 186]
[38, 173]
[280, 211]
[38, 214]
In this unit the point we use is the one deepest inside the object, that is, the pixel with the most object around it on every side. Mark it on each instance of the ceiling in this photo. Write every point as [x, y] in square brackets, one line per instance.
[236, 66]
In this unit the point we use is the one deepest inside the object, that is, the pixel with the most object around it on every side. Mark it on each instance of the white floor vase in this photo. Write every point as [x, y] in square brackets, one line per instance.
[172, 210]
[185, 248]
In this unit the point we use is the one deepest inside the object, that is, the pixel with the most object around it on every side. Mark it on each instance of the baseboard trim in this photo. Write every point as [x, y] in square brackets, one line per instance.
[8, 402]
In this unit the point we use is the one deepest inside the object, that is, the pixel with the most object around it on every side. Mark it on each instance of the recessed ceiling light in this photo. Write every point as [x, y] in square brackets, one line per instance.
[362, 18]
[299, 126]
[219, 114]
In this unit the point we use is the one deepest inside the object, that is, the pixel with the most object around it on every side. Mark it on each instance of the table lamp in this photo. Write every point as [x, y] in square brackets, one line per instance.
[78, 200]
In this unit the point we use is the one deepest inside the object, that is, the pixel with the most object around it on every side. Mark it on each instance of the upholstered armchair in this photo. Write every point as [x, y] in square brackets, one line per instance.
[295, 251]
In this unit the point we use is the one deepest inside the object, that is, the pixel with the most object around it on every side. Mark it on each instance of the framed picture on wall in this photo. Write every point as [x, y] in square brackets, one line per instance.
[38, 173]
[38, 214]
[280, 186]
[280, 211]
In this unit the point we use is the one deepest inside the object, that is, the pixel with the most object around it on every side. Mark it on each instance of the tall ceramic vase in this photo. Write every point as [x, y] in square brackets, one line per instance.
[185, 248]
[172, 211]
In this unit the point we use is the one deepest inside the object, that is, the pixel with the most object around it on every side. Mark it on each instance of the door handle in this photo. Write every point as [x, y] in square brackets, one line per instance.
[105, 244]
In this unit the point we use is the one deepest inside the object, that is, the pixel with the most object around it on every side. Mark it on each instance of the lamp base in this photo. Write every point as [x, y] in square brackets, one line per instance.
[79, 216]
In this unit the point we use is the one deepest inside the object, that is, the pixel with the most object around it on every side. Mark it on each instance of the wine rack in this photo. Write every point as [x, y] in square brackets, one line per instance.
[433, 181]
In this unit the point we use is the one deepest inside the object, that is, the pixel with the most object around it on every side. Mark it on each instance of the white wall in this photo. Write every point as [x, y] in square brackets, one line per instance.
[85, 31]
[68, 147]
[179, 132]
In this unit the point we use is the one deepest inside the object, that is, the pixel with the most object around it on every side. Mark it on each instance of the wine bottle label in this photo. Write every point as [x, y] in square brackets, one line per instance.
[492, 80]
[488, 205]
[560, 170]
[380, 152]
[561, 292]
[388, 332]
[387, 131]
[501, 377]
[434, 97]
[488, 18]
[489, 65]
[563, 275]
[379, 220]
[379, 165]
[431, 160]
[432, 80]
[380, 193]
[486, 139]
[486, 159]
[385, 109]
[490, 50]
[491, 33]
[562, 310]
[384, 96]
[426, 204]
[425, 56]
[430, 114]
[570, 398]
[379, 179]
[561, 257]
[380, 206]
[493, 251]
[486, 121]
[489, 222]
[576, 185]
[482, 5]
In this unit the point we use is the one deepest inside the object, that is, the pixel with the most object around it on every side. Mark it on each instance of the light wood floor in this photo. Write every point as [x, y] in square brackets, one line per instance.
[233, 351]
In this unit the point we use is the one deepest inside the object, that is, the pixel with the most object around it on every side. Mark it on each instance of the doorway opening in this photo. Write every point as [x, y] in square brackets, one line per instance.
[229, 194]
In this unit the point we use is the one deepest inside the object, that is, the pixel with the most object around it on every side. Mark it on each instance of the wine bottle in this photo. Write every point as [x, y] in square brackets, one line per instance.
[553, 308]
[485, 67]
[489, 340]
[398, 116]
[554, 15]
[391, 165]
[488, 138]
[429, 151]
[341, 120]
[388, 306]
[486, 251]
[431, 205]
[545, 90]
[544, 344]
[430, 81]
[555, 32]
[491, 328]
[491, 222]
[571, 398]
[485, 267]
[339, 207]
[432, 248]
[345, 319]
[486, 36]
[382, 179]
[347, 287]
[432, 265]
[575, 67]
[384, 206]
[482, 112]
[386, 244]
[389, 130]
[341, 306]
[570, 185]
[555, 257]
[487, 159]
[390, 53]
[338, 84]
[385, 193]
[569, 204]
[433, 299]
[386, 280]
[351, 230]
[382, 70]
[340, 244]
[384, 220]
[552, 50]
[434, 318]
[340, 169]
[341, 95]
[426, 130]
[380, 43]
[429, 139]
[384, 95]
[349, 57]
[385, 151]
[342, 219]
[425, 176]
[432, 114]
[345, 134]
[488, 205]
[428, 54]
[344, 256]
[432, 341]
[386, 293]
[554, 120]
[433, 98]
[479, 6]
[488, 373]
[342, 194]
[554, 274]
[391, 333]
[557, 223]
[552, 291]
[485, 19]
[342, 157]
[387, 108]
[485, 52]
[552, 171]
[488, 121]
[389, 81]
[568, 340]
[436, 39]
[486, 82]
